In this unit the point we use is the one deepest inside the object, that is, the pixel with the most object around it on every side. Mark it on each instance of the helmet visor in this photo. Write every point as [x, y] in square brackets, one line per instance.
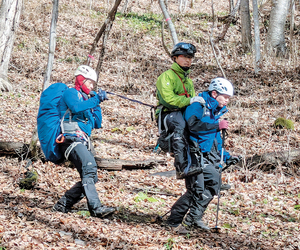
[190, 48]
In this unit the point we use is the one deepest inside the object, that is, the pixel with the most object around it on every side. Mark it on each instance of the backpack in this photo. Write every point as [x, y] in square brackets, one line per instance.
[164, 139]
[48, 121]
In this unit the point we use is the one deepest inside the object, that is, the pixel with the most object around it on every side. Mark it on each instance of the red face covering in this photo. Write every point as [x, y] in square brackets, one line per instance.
[79, 84]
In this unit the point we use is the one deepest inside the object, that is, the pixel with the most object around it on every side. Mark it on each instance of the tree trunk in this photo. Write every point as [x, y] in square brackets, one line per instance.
[21, 150]
[256, 36]
[246, 26]
[52, 44]
[169, 21]
[10, 11]
[275, 37]
[292, 20]
[231, 5]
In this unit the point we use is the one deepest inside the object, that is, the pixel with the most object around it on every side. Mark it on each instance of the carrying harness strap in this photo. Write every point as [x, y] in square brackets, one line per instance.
[77, 131]
[185, 91]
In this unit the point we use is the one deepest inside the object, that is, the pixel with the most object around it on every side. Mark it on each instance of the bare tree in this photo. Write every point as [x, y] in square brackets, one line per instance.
[124, 8]
[212, 40]
[256, 36]
[275, 37]
[169, 21]
[110, 18]
[10, 11]
[231, 5]
[52, 44]
[292, 20]
[246, 26]
[182, 5]
[228, 21]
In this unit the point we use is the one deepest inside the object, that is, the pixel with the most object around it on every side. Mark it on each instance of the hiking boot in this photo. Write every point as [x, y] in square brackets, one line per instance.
[61, 206]
[201, 225]
[181, 229]
[225, 186]
[102, 211]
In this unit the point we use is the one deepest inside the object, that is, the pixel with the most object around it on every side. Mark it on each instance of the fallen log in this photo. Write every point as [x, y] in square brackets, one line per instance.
[264, 162]
[272, 160]
[21, 150]
[118, 164]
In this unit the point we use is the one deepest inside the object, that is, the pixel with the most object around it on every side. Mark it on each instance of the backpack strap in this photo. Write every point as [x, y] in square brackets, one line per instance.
[185, 91]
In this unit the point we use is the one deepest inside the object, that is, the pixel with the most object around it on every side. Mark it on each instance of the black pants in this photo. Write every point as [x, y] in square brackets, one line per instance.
[176, 124]
[86, 166]
[200, 191]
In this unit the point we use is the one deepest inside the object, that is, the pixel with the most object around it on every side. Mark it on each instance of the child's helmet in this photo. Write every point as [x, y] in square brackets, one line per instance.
[87, 72]
[183, 49]
[222, 86]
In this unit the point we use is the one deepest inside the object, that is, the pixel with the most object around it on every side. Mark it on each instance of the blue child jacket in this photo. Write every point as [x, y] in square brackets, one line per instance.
[204, 128]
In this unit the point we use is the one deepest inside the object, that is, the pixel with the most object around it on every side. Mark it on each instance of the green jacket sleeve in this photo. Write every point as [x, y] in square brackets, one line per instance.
[168, 90]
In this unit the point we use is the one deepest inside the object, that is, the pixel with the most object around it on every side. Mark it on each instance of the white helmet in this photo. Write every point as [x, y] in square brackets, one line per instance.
[87, 72]
[222, 86]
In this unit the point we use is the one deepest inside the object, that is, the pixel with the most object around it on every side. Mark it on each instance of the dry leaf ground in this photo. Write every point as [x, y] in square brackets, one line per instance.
[261, 211]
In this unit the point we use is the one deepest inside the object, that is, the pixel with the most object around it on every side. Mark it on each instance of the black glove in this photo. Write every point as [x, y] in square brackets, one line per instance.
[102, 95]
[233, 160]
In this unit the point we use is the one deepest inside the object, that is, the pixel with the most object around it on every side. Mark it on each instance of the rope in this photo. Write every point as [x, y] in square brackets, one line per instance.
[124, 97]
[152, 107]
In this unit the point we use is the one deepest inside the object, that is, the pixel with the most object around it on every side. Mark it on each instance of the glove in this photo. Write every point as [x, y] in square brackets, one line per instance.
[102, 95]
[223, 124]
[233, 160]
[92, 93]
[197, 99]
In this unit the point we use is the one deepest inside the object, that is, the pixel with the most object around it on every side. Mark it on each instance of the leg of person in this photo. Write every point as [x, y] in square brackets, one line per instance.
[182, 205]
[199, 203]
[71, 197]
[211, 177]
[87, 167]
[176, 124]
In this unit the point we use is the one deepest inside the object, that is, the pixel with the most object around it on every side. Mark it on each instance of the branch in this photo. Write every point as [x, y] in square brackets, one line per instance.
[100, 61]
[211, 39]
[228, 22]
[111, 17]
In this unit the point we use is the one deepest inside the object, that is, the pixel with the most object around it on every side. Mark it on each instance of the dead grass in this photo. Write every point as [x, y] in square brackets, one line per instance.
[134, 59]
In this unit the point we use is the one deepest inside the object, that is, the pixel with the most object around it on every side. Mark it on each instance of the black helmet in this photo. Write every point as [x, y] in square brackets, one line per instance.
[183, 49]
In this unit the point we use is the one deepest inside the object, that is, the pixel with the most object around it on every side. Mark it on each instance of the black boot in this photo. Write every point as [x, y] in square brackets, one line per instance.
[61, 206]
[198, 223]
[71, 197]
[102, 211]
[194, 217]
[95, 207]
[225, 186]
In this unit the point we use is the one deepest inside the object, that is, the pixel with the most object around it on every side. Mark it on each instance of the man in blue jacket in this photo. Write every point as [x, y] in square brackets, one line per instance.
[204, 129]
[81, 113]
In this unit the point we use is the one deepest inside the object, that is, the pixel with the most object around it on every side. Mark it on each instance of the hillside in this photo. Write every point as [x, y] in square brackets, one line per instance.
[261, 211]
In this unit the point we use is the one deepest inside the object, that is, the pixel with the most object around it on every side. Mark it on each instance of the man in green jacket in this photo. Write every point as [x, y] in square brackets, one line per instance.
[175, 91]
